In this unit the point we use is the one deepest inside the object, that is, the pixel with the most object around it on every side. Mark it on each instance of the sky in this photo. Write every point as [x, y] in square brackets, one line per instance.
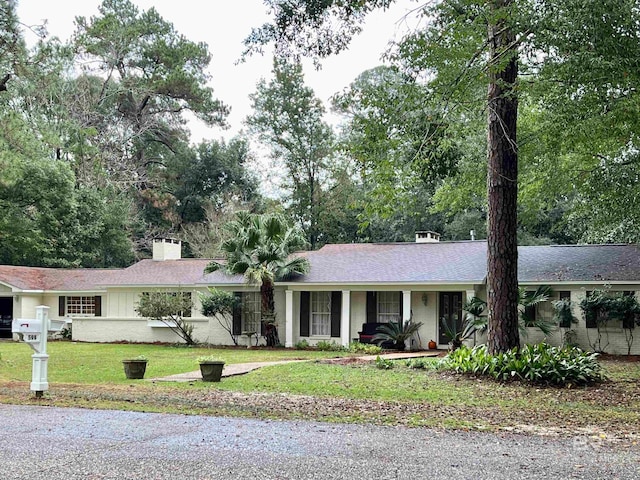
[223, 24]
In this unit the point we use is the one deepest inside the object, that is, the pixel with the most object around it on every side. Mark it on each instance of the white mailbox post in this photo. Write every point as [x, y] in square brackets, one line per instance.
[34, 332]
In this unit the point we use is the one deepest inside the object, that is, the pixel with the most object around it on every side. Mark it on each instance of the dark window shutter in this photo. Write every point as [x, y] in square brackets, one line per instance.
[336, 311]
[372, 307]
[401, 310]
[628, 322]
[98, 306]
[236, 326]
[566, 322]
[187, 299]
[530, 313]
[62, 303]
[591, 316]
[304, 314]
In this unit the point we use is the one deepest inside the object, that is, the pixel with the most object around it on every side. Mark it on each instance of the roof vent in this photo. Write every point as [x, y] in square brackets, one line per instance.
[427, 237]
[167, 249]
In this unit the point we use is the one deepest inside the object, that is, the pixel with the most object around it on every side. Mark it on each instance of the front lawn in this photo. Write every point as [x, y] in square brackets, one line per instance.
[99, 363]
[90, 376]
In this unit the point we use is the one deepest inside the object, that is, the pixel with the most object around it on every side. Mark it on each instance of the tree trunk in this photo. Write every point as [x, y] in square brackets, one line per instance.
[502, 186]
[268, 313]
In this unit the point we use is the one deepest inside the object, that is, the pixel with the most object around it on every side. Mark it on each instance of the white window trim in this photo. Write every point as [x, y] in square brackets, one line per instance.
[246, 309]
[83, 306]
[388, 317]
[320, 329]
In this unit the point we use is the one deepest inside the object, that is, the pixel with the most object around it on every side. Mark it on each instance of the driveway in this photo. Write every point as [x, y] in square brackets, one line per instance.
[67, 444]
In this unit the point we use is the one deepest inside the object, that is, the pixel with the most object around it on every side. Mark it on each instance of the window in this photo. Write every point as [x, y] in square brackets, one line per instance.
[388, 307]
[81, 305]
[251, 316]
[321, 313]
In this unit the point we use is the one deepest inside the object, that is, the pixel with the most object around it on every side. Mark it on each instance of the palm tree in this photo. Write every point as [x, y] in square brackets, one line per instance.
[262, 247]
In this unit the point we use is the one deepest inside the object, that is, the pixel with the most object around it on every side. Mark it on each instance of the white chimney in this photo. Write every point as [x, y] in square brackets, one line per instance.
[427, 237]
[167, 249]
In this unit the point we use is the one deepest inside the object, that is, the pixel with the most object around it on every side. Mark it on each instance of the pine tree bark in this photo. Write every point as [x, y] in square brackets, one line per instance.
[502, 185]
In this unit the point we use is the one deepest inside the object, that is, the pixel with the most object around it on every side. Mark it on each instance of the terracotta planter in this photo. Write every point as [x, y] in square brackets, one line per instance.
[134, 369]
[211, 371]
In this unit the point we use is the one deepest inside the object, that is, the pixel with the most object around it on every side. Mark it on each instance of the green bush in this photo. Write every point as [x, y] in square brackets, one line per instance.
[419, 363]
[539, 364]
[366, 348]
[383, 364]
[325, 346]
[302, 345]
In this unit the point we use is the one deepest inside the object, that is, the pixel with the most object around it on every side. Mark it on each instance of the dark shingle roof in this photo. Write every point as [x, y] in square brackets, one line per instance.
[579, 263]
[37, 278]
[444, 262]
[461, 262]
[186, 271]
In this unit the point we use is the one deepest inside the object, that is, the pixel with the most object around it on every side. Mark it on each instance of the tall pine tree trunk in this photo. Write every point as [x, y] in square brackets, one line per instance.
[502, 184]
[268, 316]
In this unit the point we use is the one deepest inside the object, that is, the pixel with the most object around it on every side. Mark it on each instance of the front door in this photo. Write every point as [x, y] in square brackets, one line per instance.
[450, 315]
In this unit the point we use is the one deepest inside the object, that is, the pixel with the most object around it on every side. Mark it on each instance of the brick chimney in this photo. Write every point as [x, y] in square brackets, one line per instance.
[427, 236]
[167, 249]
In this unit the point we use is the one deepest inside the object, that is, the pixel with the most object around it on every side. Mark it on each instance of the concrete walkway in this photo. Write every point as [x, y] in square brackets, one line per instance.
[242, 368]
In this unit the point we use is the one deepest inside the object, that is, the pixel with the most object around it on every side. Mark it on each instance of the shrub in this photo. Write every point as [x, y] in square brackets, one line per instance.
[383, 364]
[220, 304]
[209, 358]
[139, 358]
[325, 346]
[170, 308]
[66, 333]
[539, 364]
[366, 348]
[301, 345]
[419, 363]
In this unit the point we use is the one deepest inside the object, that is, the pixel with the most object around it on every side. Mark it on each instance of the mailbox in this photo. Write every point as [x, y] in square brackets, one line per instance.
[34, 331]
[26, 325]
[30, 329]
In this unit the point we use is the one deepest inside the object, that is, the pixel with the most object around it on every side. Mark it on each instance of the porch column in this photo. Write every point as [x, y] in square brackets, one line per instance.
[288, 319]
[470, 294]
[345, 318]
[406, 306]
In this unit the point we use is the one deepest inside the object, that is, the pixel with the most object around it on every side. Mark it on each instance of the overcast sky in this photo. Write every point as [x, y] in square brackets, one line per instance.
[223, 24]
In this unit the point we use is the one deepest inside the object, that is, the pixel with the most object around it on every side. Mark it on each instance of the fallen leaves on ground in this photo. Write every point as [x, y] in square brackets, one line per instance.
[607, 412]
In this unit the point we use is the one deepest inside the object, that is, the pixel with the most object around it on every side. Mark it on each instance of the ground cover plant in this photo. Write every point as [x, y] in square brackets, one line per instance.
[345, 389]
[540, 364]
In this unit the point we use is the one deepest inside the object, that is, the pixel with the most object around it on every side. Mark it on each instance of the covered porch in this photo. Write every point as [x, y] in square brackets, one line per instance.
[338, 313]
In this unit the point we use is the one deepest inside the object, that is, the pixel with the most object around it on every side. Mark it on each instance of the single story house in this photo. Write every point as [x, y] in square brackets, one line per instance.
[348, 285]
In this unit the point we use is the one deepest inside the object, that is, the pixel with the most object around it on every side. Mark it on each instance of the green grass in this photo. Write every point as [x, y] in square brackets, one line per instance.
[356, 382]
[96, 363]
[91, 376]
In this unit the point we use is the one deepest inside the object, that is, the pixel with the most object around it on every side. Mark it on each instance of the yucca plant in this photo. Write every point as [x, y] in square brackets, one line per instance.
[396, 333]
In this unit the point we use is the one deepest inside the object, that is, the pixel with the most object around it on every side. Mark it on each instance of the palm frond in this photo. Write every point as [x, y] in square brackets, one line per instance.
[213, 266]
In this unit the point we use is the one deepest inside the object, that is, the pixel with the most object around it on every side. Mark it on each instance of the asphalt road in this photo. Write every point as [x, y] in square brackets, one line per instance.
[67, 444]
